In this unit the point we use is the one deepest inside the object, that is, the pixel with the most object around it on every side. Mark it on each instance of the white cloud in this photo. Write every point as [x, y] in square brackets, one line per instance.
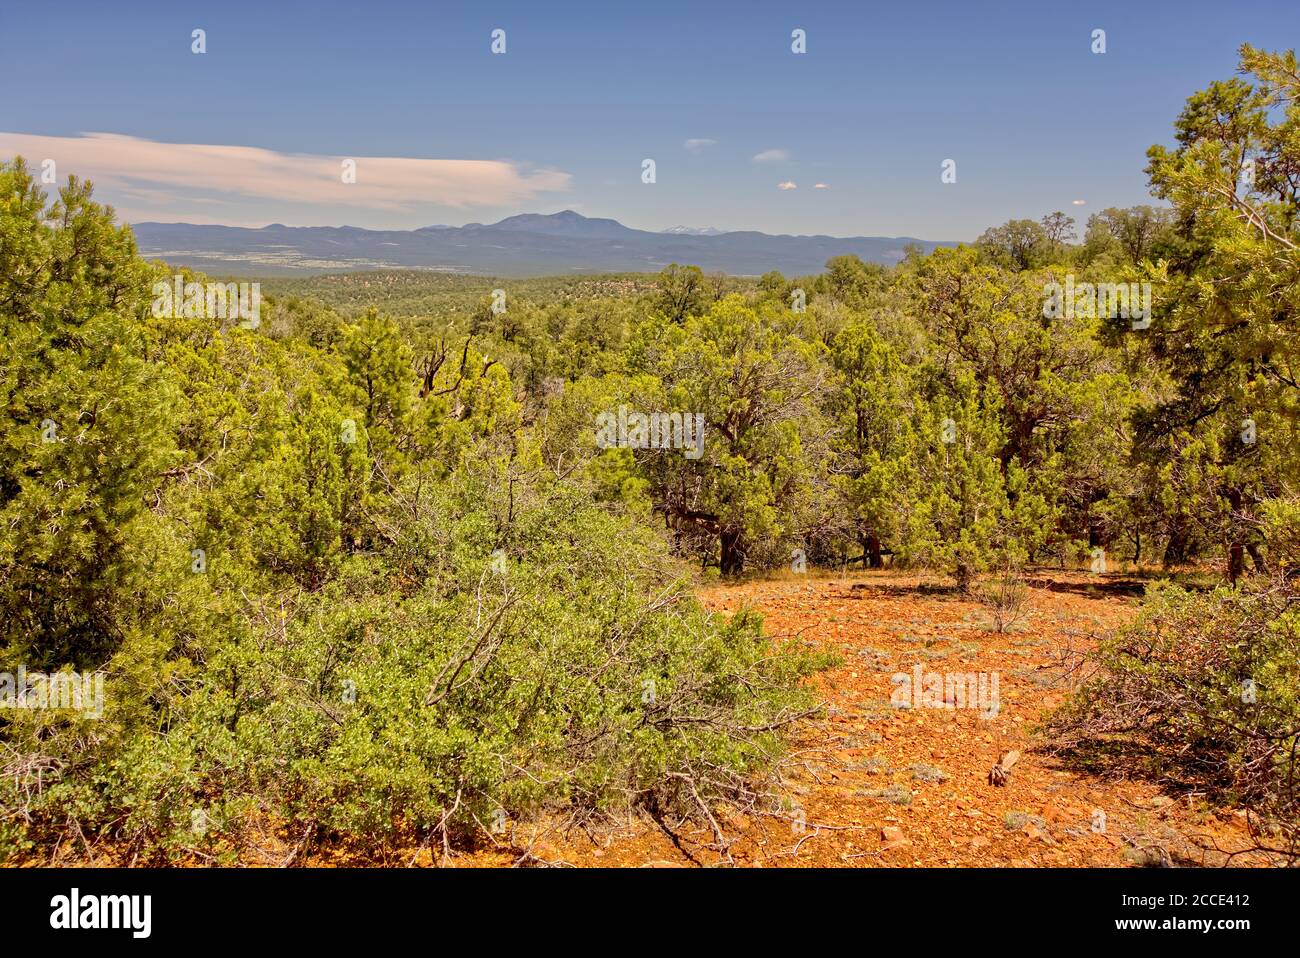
[821, 186]
[147, 168]
[698, 145]
[772, 156]
[1078, 202]
[787, 185]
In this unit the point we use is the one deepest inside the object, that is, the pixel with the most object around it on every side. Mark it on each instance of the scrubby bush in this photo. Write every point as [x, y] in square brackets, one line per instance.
[1208, 684]
[565, 671]
[1005, 594]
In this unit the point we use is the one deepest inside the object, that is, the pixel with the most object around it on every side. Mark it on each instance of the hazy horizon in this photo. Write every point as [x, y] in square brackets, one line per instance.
[844, 139]
[594, 216]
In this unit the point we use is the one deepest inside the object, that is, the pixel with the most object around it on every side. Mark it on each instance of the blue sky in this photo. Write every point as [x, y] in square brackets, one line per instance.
[586, 91]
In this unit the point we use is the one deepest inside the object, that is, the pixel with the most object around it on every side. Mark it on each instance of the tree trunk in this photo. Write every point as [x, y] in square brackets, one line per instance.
[871, 549]
[1257, 557]
[1176, 548]
[1236, 549]
[733, 552]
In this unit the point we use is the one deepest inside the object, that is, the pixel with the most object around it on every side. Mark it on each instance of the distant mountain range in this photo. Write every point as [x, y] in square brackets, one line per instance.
[531, 244]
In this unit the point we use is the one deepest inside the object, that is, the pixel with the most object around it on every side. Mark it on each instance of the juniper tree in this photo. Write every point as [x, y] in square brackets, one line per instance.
[758, 385]
[1228, 331]
[869, 404]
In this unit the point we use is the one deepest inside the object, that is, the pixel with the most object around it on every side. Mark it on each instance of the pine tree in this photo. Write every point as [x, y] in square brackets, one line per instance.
[84, 435]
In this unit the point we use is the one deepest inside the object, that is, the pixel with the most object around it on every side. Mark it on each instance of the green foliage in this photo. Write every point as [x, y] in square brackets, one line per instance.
[84, 424]
[870, 404]
[378, 363]
[683, 291]
[336, 591]
[1133, 235]
[1209, 683]
[756, 382]
[952, 490]
[1230, 302]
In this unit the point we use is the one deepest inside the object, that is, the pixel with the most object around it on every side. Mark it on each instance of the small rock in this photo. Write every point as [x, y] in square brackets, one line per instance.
[892, 836]
[1037, 834]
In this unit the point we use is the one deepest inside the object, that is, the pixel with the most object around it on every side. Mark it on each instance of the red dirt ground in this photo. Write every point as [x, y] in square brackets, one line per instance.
[882, 623]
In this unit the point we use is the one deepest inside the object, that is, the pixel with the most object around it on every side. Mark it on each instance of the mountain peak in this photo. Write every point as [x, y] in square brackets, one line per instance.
[563, 223]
